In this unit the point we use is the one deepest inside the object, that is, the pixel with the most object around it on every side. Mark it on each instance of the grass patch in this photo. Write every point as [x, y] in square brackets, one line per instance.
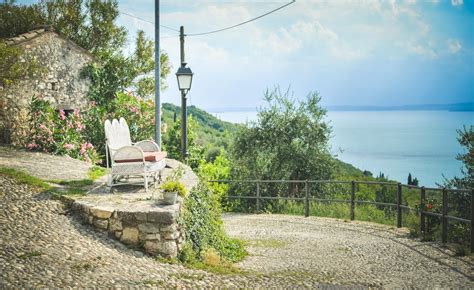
[74, 183]
[266, 243]
[30, 254]
[223, 268]
[24, 177]
[96, 172]
[151, 282]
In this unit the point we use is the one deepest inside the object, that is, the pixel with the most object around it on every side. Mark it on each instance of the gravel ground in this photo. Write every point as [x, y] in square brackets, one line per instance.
[350, 253]
[41, 244]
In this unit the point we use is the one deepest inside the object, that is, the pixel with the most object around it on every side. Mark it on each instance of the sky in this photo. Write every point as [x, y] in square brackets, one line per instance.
[352, 52]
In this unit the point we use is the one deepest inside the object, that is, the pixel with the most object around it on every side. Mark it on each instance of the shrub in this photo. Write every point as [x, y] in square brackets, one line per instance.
[174, 186]
[57, 132]
[203, 227]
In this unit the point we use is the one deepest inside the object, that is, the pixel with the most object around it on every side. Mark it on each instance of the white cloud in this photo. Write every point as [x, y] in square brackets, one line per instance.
[454, 46]
[425, 51]
[457, 2]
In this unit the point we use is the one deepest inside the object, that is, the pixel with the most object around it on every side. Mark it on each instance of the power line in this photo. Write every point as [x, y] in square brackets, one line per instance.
[242, 23]
[151, 22]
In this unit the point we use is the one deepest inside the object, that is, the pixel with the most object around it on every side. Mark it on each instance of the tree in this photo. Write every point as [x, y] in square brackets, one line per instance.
[172, 143]
[461, 201]
[288, 141]
[410, 179]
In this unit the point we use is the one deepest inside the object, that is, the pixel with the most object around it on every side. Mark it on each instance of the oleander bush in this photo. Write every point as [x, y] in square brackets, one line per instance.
[80, 134]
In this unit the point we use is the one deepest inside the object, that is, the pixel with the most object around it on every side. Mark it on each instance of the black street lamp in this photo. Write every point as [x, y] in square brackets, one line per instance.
[185, 78]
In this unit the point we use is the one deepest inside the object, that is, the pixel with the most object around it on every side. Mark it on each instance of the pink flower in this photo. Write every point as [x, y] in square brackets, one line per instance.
[93, 104]
[68, 146]
[80, 126]
[83, 148]
[90, 146]
[77, 113]
[134, 109]
[62, 115]
[31, 146]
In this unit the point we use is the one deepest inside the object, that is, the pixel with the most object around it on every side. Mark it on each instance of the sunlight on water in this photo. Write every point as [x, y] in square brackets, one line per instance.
[396, 143]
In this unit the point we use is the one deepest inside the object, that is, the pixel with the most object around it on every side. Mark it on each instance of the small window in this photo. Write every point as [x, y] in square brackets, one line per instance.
[53, 86]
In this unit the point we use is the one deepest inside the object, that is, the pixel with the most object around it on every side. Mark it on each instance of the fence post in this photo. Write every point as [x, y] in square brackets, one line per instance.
[258, 197]
[353, 191]
[444, 221]
[399, 203]
[472, 221]
[306, 200]
[422, 212]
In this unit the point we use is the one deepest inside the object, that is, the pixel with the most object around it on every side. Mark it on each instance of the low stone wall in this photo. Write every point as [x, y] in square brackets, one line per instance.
[156, 231]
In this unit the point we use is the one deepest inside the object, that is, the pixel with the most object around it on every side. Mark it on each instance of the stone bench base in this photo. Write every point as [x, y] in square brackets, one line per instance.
[156, 230]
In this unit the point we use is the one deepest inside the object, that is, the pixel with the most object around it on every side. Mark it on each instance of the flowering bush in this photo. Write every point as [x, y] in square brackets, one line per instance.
[429, 205]
[58, 132]
[81, 134]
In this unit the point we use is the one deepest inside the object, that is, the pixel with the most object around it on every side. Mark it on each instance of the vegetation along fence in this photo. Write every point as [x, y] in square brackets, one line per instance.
[433, 208]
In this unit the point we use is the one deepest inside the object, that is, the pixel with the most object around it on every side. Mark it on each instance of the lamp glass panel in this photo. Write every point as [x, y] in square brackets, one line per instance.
[184, 82]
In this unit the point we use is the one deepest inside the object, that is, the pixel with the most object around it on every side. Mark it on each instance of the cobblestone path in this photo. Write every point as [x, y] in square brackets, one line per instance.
[41, 244]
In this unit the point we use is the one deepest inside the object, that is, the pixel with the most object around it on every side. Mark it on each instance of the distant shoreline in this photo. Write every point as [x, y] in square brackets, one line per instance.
[458, 107]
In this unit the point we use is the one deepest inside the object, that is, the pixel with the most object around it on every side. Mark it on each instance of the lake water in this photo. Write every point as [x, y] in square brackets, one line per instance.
[396, 143]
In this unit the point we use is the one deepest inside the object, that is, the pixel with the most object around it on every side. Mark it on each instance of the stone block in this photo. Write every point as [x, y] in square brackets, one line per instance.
[140, 216]
[149, 237]
[149, 228]
[162, 217]
[169, 228]
[101, 223]
[101, 213]
[129, 236]
[169, 235]
[90, 219]
[128, 218]
[115, 224]
[152, 247]
[169, 249]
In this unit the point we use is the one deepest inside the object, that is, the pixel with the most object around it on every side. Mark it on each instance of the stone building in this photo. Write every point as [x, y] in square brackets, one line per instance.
[59, 80]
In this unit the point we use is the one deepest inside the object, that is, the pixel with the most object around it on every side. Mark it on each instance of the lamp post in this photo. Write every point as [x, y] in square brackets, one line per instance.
[185, 78]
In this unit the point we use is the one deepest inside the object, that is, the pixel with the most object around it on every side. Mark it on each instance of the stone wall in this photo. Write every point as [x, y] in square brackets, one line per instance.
[58, 80]
[156, 231]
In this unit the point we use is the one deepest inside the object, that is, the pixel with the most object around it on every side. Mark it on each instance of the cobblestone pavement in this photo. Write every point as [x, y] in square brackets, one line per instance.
[41, 244]
[354, 253]
[42, 165]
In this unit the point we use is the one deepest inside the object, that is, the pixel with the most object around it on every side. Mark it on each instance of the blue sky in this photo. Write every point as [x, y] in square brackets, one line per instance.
[352, 52]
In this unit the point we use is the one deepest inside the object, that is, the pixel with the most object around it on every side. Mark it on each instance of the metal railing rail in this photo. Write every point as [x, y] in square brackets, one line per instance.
[353, 201]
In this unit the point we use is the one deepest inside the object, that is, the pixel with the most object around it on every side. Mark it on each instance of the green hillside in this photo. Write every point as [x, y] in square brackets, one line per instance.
[212, 132]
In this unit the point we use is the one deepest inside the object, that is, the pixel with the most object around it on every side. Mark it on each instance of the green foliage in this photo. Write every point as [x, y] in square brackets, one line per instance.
[287, 141]
[174, 186]
[219, 169]
[18, 19]
[211, 132]
[172, 143]
[202, 223]
[24, 177]
[14, 64]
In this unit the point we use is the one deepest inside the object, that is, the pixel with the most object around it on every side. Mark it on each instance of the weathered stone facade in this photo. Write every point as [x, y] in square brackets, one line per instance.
[59, 81]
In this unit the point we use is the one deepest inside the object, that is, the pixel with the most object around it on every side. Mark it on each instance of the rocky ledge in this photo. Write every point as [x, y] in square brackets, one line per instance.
[135, 217]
